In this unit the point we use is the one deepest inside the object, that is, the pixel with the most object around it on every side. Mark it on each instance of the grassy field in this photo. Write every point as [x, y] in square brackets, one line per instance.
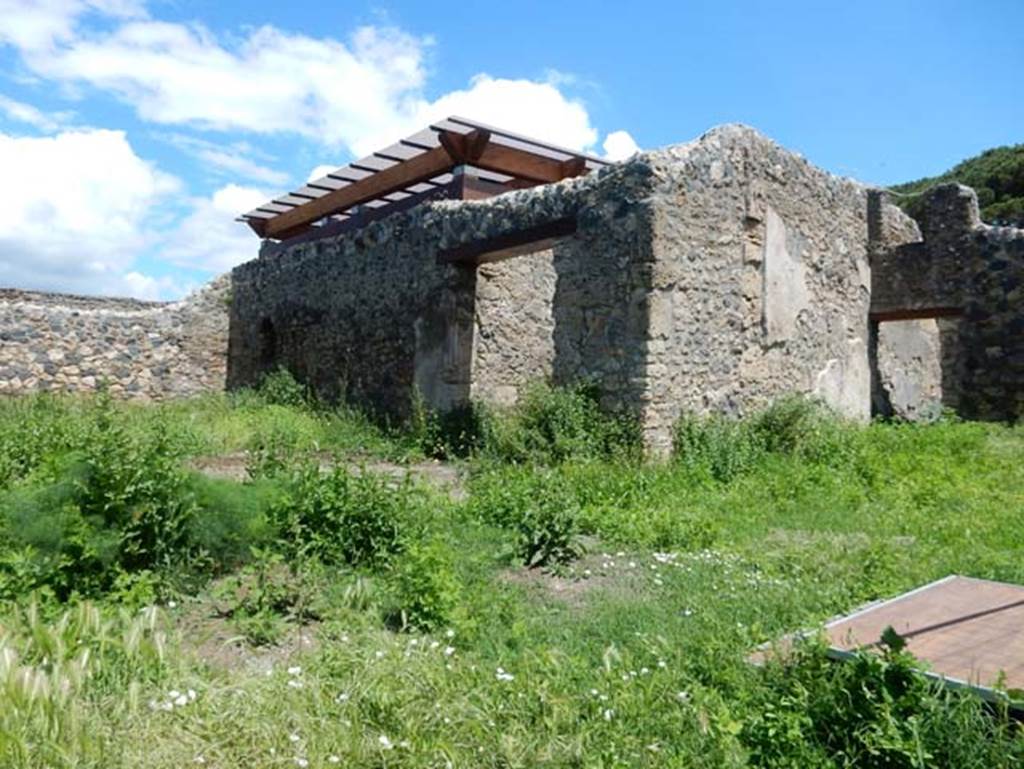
[560, 603]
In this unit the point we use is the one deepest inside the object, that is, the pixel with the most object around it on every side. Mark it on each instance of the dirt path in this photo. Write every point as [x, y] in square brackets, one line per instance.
[441, 476]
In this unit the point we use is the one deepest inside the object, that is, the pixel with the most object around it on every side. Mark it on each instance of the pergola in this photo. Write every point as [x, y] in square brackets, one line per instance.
[453, 159]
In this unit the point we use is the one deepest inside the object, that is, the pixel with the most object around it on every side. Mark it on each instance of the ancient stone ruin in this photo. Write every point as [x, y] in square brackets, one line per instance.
[716, 275]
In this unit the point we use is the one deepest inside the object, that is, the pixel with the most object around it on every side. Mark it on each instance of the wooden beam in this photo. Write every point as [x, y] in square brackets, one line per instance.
[465, 148]
[474, 148]
[418, 169]
[525, 241]
[921, 313]
[512, 161]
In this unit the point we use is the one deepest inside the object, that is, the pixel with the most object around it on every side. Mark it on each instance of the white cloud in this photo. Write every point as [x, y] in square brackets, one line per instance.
[40, 24]
[208, 238]
[29, 115]
[234, 159]
[358, 94]
[619, 145]
[538, 110]
[74, 210]
[320, 172]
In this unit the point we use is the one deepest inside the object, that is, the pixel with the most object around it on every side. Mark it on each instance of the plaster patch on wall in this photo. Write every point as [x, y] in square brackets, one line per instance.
[785, 286]
[910, 367]
[845, 383]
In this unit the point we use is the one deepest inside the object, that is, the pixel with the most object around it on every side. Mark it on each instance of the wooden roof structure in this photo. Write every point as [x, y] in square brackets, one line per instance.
[454, 158]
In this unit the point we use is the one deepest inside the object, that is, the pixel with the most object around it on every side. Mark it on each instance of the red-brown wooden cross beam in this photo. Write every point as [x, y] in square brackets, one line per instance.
[474, 149]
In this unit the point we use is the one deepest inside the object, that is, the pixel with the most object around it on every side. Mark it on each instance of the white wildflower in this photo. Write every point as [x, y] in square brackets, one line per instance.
[609, 714]
[449, 651]
[181, 700]
[191, 695]
[199, 760]
[449, 633]
[385, 743]
[501, 675]
[173, 694]
[333, 760]
[683, 696]
[300, 761]
[293, 737]
[172, 604]
[434, 644]
[341, 698]
[378, 654]
[295, 671]
[294, 683]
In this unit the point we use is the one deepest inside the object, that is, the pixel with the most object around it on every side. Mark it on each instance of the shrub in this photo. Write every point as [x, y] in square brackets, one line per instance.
[726, 447]
[260, 597]
[344, 517]
[874, 711]
[555, 424]
[723, 447]
[803, 427]
[281, 388]
[456, 433]
[123, 504]
[231, 519]
[424, 590]
[539, 506]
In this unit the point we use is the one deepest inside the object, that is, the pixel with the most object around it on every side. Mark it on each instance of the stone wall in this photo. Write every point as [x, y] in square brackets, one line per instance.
[760, 281]
[968, 277]
[372, 316]
[145, 350]
[514, 326]
[717, 275]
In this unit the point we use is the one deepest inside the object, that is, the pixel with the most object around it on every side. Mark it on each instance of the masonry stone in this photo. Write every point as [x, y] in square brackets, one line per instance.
[65, 343]
[716, 275]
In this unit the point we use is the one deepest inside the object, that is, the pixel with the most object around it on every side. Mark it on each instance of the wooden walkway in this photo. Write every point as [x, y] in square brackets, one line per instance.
[968, 631]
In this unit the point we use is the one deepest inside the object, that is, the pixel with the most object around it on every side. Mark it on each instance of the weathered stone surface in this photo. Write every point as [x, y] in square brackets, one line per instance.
[73, 343]
[969, 276]
[910, 368]
[715, 275]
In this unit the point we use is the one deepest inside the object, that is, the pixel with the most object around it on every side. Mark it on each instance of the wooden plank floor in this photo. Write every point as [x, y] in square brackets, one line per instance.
[964, 628]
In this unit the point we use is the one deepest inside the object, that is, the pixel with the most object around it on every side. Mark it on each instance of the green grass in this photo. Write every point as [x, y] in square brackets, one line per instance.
[430, 645]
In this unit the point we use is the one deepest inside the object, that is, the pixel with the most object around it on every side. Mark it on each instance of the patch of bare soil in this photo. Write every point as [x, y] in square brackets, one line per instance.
[212, 639]
[443, 477]
[596, 572]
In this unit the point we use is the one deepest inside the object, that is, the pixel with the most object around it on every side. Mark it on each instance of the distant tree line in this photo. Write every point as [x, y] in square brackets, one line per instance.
[997, 175]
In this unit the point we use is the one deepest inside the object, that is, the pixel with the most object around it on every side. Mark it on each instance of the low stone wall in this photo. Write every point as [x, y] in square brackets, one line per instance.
[144, 350]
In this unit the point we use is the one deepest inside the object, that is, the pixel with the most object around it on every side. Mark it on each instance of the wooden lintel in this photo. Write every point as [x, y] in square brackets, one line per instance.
[525, 241]
[915, 313]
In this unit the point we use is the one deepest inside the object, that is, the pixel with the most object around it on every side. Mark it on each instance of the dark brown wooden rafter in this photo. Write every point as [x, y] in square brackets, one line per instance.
[492, 161]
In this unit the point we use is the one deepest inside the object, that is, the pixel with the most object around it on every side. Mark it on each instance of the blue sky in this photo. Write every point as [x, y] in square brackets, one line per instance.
[131, 132]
